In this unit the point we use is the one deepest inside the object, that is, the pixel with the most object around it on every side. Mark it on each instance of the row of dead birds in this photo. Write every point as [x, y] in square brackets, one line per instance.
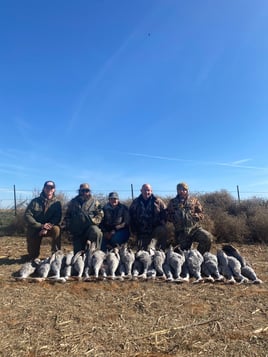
[173, 265]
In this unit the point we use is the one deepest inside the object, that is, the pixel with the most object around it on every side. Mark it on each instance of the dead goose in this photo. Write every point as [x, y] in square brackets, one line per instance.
[78, 264]
[97, 260]
[66, 269]
[112, 260]
[235, 266]
[43, 269]
[173, 264]
[26, 270]
[224, 267]
[142, 263]
[194, 260]
[159, 258]
[127, 258]
[232, 251]
[209, 267]
[246, 270]
[90, 249]
[250, 274]
[230, 268]
[55, 266]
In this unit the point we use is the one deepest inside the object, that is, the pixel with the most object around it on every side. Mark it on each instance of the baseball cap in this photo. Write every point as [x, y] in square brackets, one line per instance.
[113, 195]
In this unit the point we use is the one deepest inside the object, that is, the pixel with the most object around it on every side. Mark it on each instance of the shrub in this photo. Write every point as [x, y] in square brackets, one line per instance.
[258, 225]
[225, 218]
[231, 228]
[16, 226]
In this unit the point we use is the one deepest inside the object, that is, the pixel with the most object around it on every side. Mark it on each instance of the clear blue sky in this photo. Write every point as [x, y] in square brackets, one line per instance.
[121, 92]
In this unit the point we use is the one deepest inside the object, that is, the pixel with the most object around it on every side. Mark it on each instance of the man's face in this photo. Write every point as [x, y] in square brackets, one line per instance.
[182, 192]
[85, 193]
[113, 201]
[49, 190]
[146, 191]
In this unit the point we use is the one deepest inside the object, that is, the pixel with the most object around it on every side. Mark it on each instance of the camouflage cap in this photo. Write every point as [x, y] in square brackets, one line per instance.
[84, 186]
[182, 185]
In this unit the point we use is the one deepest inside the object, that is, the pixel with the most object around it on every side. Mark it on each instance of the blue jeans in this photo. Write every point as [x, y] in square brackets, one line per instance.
[121, 236]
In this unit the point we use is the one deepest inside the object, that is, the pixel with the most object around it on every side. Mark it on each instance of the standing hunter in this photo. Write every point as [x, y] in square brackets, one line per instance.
[82, 219]
[186, 213]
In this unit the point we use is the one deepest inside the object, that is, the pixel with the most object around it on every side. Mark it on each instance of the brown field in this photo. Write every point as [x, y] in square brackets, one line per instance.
[131, 318]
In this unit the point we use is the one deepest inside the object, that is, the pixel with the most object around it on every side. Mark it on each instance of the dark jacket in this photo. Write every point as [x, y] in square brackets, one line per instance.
[146, 215]
[41, 210]
[115, 218]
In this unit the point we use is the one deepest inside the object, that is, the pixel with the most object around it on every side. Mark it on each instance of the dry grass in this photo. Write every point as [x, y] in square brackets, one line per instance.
[132, 318]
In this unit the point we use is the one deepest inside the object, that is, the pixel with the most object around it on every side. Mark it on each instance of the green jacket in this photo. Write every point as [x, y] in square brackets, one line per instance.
[81, 214]
[41, 210]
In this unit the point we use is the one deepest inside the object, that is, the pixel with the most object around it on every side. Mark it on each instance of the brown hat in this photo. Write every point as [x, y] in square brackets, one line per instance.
[84, 186]
[183, 185]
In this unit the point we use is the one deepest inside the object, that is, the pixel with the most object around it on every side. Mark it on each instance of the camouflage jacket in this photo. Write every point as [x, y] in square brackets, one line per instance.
[146, 215]
[114, 217]
[81, 214]
[41, 210]
[185, 215]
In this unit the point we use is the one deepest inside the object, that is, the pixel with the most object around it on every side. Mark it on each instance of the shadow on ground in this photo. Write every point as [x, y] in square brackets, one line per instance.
[11, 261]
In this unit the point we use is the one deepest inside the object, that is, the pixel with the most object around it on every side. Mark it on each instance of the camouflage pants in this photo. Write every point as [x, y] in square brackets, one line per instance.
[159, 233]
[34, 241]
[198, 235]
[92, 233]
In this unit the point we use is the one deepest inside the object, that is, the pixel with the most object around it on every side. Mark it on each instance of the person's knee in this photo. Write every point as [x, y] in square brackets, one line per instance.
[120, 237]
[204, 240]
[94, 230]
[160, 233]
[55, 231]
[94, 234]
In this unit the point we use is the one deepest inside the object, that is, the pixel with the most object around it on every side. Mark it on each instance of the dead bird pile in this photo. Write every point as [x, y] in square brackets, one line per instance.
[123, 263]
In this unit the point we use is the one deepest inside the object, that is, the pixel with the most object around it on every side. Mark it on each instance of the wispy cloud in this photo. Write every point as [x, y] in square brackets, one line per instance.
[93, 83]
[237, 163]
[240, 161]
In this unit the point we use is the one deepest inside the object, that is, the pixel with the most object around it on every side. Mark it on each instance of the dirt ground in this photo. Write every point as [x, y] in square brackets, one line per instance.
[131, 318]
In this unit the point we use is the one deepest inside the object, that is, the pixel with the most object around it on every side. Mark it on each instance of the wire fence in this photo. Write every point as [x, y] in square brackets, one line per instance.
[13, 197]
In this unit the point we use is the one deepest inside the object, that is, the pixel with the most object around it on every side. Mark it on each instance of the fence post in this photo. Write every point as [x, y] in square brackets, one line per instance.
[238, 194]
[15, 200]
[132, 194]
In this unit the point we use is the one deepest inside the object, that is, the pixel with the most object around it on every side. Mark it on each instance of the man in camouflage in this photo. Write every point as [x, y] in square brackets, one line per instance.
[83, 216]
[148, 218]
[186, 213]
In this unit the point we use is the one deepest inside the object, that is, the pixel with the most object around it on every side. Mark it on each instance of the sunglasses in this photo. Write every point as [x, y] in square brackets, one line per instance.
[50, 187]
[85, 190]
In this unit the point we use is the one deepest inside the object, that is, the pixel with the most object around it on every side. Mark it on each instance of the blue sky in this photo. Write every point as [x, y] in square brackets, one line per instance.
[121, 92]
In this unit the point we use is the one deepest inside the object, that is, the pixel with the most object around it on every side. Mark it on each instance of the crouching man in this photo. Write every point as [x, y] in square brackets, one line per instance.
[43, 216]
[82, 219]
[186, 213]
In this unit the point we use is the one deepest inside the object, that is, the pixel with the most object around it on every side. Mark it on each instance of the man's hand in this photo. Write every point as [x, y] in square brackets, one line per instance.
[43, 232]
[47, 226]
[108, 235]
